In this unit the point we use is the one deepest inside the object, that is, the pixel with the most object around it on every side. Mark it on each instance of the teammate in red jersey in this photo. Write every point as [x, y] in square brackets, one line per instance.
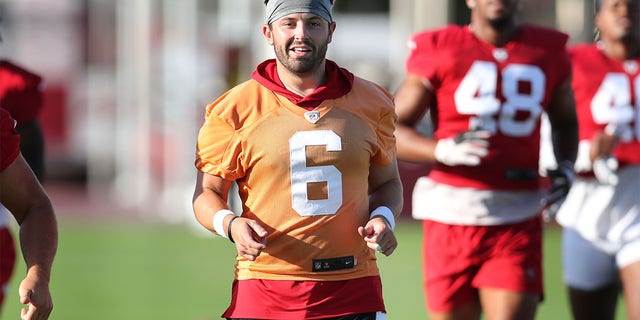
[486, 85]
[312, 150]
[23, 195]
[21, 96]
[601, 214]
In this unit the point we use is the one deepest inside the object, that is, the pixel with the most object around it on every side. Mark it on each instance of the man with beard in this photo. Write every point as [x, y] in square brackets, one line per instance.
[312, 150]
[486, 85]
[601, 242]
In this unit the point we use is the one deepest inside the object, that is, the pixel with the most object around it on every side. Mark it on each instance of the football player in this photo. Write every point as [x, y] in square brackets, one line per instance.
[27, 201]
[486, 85]
[21, 96]
[312, 150]
[601, 214]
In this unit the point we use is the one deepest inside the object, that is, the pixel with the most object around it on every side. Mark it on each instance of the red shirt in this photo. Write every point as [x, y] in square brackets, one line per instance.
[606, 91]
[9, 140]
[503, 90]
[19, 92]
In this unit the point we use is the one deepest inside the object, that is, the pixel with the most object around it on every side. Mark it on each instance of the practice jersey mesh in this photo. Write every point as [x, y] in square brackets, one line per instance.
[9, 140]
[606, 92]
[500, 89]
[19, 92]
[305, 182]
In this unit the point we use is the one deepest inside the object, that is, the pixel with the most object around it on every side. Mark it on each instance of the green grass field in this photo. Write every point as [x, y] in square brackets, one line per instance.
[117, 271]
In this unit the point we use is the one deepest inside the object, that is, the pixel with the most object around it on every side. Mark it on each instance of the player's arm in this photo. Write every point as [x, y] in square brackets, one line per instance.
[564, 136]
[412, 100]
[385, 203]
[385, 188]
[212, 212]
[210, 196]
[602, 145]
[23, 195]
[564, 124]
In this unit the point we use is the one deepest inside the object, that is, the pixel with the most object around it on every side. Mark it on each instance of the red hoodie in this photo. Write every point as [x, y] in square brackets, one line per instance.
[339, 83]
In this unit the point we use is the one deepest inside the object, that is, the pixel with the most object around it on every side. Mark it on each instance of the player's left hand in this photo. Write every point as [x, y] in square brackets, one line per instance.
[378, 235]
[34, 292]
[561, 181]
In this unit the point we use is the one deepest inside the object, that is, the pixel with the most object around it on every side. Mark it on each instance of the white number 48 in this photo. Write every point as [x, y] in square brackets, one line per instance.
[477, 95]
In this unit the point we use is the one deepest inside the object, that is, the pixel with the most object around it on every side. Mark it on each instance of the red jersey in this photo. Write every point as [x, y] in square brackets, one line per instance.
[9, 140]
[606, 92]
[500, 89]
[19, 92]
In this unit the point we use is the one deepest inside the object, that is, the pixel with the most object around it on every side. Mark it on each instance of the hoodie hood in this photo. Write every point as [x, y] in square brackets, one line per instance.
[339, 82]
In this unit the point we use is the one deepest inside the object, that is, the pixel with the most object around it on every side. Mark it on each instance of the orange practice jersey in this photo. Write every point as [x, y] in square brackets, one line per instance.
[303, 175]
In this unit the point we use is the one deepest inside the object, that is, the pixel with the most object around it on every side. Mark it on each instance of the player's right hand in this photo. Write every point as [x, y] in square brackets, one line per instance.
[466, 149]
[604, 165]
[604, 168]
[249, 237]
[379, 236]
[34, 293]
[596, 155]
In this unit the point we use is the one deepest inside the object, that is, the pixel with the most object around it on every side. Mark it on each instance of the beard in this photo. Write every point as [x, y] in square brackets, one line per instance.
[301, 65]
[630, 37]
[501, 22]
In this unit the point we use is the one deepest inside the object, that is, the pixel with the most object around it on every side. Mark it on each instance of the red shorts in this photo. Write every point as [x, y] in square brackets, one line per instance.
[285, 299]
[458, 260]
[7, 260]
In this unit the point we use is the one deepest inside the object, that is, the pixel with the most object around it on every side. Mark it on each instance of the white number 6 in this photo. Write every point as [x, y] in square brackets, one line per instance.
[301, 174]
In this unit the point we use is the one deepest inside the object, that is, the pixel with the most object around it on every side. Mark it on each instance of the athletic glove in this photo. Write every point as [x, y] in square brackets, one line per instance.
[605, 170]
[466, 149]
[561, 180]
[603, 167]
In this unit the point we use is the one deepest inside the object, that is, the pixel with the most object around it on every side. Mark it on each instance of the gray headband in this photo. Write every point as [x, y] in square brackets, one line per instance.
[277, 9]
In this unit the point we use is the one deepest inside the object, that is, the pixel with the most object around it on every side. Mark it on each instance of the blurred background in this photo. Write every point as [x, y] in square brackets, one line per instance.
[126, 82]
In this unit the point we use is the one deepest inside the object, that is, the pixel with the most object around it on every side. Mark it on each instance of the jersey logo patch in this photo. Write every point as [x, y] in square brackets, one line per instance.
[332, 264]
[500, 54]
[312, 116]
[630, 66]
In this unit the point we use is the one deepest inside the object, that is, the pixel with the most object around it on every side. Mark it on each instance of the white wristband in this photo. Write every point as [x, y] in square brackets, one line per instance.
[218, 222]
[385, 213]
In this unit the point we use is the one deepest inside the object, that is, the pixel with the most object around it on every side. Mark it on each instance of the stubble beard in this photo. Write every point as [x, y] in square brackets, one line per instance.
[501, 23]
[301, 65]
